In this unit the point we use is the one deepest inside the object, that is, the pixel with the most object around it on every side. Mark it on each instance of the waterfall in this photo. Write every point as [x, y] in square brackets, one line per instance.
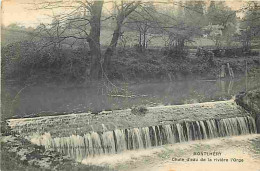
[169, 136]
[108, 142]
[119, 140]
[180, 132]
[146, 137]
[204, 131]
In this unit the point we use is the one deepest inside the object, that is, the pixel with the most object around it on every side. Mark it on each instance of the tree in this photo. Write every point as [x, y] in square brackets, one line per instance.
[215, 33]
[142, 21]
[194, 12]
[250, 24]
[182, 26]
[220, 14]
[79, 20]
[82, 20]
[124, 9]
[221, 19]
[94, 39]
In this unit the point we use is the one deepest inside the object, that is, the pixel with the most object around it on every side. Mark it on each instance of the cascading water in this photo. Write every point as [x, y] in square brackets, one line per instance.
[116, 141]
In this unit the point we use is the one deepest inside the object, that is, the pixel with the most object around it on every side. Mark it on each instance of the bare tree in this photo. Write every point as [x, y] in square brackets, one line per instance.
[180, 26]
[94, 39]
[142, 21]
[83, 21]
[124, 9]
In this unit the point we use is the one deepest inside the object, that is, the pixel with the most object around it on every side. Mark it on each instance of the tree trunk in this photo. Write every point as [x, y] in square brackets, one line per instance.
[94, 40]
[140, 39]
[112, 46]
[144, 41]
[119, 22]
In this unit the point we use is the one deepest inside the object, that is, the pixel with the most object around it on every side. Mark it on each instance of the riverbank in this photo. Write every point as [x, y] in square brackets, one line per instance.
[18, 154]
[251, 102]
[72, 65]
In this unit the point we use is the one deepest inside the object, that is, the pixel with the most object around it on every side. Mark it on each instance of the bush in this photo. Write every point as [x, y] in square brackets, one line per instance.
[5, 128]
[134, 65]
[30, 61]
[139, 110]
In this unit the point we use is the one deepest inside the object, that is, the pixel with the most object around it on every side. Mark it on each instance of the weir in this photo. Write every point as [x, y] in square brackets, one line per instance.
[86, 135]
[119, 140]
[80, 123]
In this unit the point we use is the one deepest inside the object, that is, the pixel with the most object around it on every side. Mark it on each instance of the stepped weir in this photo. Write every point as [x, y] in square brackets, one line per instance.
[119, 140]
[71, 135]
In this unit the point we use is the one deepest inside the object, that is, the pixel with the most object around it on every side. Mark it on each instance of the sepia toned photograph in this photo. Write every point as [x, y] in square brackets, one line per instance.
[130, 85]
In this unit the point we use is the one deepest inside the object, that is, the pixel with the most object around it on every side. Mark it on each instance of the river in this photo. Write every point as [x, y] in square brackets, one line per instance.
[50, 99]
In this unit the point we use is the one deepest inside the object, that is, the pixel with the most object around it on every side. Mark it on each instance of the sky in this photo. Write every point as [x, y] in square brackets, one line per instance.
[20, 12]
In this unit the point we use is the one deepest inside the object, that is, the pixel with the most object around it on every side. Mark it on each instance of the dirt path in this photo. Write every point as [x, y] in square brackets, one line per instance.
[241, 153]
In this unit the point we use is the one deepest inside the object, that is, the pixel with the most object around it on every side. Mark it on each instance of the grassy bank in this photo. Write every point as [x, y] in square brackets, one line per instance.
[27, 63]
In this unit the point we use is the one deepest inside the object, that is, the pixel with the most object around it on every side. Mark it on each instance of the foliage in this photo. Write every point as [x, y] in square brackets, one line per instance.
[153, 65]
[5, 128]
[250, 25]
[222, 23]
[215, 33]
[28, 61]
[183, 27]
[251, 19]
[28, 66]
[255, 146]
[255, 73]
[219, 14]
[195, 13]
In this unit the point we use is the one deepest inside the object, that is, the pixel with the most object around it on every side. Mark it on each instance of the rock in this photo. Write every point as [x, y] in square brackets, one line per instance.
[250, 101]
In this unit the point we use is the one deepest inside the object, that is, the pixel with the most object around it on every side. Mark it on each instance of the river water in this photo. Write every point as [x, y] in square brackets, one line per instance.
[48, 100]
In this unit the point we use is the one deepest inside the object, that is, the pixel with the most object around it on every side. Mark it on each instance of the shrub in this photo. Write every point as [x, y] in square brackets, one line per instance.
[5, 128]
[139, 110]
[30, 61]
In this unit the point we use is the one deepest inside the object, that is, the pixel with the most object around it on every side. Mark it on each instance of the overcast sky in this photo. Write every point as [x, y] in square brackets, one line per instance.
[18, 11]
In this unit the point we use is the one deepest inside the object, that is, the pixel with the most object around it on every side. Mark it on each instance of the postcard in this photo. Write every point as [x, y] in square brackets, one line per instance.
[130, 85]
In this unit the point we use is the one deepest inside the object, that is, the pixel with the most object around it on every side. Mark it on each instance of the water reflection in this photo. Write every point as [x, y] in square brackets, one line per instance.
[53, 100]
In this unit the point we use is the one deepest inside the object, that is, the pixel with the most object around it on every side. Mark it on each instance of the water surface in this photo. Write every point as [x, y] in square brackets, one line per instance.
[76, 99]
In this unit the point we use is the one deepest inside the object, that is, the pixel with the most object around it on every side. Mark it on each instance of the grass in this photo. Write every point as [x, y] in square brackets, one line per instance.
[130, 37]
[11, 36]
[256, 146]
[166, 153]
[201, 42]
